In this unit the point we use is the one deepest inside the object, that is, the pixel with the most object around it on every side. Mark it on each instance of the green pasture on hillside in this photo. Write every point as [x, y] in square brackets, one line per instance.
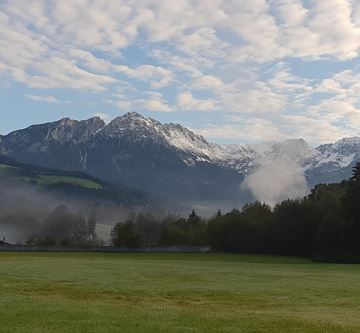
[49, 180]
[54, 179]
[93, 292]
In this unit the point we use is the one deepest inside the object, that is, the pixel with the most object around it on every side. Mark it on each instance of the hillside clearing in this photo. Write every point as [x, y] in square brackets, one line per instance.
[49, 180]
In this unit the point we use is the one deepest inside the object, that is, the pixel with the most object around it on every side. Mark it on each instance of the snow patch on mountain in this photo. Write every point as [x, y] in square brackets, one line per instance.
[336, 156]
[195, 148]
[191, 148]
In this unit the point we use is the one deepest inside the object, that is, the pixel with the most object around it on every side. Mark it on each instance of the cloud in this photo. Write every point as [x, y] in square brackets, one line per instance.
[203, 43]
[287, 106]
[205, 82]
[156, 105]
[124, 105]
[104, 116]
[276, 180]
[181, 64]
[251, 94]
[48, 99]
[232, 57]
[255, 129]
[325, 28]
[186, 101]
[153, 102]
[157, 76]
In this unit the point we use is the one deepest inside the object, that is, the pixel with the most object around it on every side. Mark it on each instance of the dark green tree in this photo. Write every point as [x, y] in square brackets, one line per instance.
[148, 227]
[356, 173]
[123, 235]
[351, 207]
[193, 218]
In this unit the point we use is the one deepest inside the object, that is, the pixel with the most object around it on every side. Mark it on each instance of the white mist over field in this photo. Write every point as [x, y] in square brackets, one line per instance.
[276, 180]
[24, 208]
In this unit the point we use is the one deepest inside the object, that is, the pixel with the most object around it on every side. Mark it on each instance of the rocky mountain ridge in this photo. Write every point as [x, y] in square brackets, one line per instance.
[168, 158]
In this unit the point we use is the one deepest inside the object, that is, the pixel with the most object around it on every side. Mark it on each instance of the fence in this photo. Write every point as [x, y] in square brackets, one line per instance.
[158, 249]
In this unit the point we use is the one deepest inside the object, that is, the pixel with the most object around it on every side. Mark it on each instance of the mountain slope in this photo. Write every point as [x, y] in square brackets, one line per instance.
[71, 184]
[131, 149]
[333, 162]
[169, 159]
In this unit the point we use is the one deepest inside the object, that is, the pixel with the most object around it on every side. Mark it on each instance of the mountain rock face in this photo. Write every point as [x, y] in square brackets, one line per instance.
[169, 159]
[333, 162]
[52, 145]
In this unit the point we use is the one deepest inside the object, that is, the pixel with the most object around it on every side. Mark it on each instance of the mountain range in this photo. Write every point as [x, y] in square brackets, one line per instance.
[169, 159]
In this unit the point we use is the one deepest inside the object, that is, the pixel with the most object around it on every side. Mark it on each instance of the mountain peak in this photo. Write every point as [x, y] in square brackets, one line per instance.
[133, 117]
[348, 141]
[132, 114]
[135, 124]
[65, 121]
[143, 152]
[91, 122]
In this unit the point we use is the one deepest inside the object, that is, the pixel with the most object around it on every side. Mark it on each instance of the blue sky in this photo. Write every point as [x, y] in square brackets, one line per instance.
[234, 71]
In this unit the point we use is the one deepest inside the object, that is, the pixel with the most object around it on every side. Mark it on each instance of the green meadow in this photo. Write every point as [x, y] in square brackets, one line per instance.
[50, 179]
[41, 179]
[100, 292]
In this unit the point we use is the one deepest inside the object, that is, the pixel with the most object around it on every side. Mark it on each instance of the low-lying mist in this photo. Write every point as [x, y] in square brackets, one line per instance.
[24, 208]
[276, 180]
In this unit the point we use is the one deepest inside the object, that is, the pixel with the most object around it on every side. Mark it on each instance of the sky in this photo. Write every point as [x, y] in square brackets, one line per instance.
[235, 71]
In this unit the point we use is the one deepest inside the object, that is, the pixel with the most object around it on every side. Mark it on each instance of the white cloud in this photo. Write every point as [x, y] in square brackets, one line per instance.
[124, 105]
[186, 101]
[182, 64]
[233, 52]
[153, 101]
[156, 105]
[208, 82]
[319, 120]
[48, 99]
[203, 43]
[72, 29]
[157, 76]
[315, 130]
[292, 12]
[256, 129]
[325, 28]
[253, 95]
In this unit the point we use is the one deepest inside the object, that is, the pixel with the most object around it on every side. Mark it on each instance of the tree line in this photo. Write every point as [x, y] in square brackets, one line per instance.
[326, 223]
[146, 230]
[62, 227]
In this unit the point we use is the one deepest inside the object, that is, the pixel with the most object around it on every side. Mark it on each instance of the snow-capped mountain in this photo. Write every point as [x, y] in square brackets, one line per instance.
[168, 158]
[333, 162]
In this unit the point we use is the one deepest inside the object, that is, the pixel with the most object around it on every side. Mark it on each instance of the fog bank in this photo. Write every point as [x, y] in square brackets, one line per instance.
[276, 180]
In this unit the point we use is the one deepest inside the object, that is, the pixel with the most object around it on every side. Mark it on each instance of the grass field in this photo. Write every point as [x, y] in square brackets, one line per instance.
[46, 292]
[48, 180]
[55, 179]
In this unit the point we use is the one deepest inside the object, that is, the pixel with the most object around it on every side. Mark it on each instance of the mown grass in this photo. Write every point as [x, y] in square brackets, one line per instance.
[49, 180]
[47, 292]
